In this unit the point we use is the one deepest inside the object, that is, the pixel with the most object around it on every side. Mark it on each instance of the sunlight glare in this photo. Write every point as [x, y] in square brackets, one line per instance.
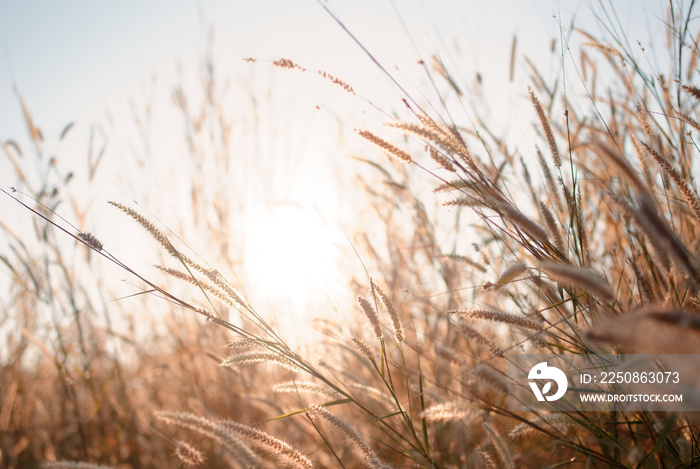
[292, 261]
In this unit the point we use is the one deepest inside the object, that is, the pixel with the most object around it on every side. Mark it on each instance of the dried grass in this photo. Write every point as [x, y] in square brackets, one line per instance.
[436, 395]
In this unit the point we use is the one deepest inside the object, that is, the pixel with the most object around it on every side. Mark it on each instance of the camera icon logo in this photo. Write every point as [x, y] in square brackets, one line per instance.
[551, 373]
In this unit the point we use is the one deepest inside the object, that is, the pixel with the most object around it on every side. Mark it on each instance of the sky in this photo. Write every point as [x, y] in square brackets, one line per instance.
[72, 60]
[100, 64]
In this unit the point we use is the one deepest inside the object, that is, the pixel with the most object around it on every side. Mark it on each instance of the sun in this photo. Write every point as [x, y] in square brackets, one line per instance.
[292, 260]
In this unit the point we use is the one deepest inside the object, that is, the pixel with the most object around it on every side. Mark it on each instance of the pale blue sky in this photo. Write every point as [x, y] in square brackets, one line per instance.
[72, 59]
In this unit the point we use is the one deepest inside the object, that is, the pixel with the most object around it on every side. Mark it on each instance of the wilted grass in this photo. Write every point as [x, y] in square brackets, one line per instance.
[593, 248]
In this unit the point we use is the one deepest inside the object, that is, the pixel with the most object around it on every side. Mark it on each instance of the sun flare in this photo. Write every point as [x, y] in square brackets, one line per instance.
[292, 258]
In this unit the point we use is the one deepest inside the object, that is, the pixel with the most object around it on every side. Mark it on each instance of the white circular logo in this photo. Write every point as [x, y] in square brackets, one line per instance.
[550, 373]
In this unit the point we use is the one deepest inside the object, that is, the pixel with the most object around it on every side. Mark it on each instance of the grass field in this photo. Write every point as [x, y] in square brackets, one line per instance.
[468, 248]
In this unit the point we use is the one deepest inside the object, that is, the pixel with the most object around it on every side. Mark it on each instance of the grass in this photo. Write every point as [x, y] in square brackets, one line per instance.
[588, 246]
